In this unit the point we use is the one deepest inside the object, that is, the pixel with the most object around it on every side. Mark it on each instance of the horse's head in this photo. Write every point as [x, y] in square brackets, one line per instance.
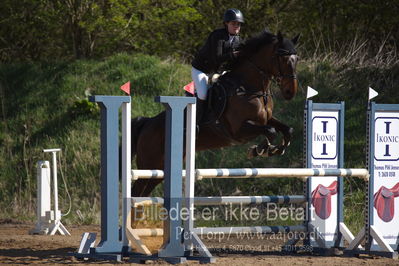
[272, 57]
[284, 65]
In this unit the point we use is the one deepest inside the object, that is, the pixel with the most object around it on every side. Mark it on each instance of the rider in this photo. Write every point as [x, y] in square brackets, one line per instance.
[220, 48]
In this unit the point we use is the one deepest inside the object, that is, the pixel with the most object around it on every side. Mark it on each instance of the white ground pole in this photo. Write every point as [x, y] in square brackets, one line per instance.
[53, 216]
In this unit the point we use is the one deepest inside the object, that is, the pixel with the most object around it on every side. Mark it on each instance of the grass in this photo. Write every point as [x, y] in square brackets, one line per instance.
[45, 105]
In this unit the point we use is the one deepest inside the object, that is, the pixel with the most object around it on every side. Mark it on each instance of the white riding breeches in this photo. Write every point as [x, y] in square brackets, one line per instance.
[200, 82]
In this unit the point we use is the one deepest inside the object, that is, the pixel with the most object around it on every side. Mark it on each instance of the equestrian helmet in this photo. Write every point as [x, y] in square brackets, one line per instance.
[233, 14]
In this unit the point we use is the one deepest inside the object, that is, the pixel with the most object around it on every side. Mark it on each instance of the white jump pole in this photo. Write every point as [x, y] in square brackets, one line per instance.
[259, 173]
[126, 171]
[190, 165]
[130, 236]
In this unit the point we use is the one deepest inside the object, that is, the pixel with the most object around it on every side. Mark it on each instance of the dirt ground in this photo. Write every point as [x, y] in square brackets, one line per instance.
[18, 247]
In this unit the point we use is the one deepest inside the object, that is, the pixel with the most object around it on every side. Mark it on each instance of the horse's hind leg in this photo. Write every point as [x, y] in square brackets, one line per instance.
[149, 155]
[143, 187]
[150, 159]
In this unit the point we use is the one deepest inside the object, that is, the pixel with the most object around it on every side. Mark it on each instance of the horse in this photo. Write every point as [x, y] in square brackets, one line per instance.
[248, 109]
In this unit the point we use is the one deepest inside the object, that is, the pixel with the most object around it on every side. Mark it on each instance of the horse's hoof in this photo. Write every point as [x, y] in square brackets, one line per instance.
[251, 152]
[285, 143]
[278, 150]
[255, 151]
[271, 149]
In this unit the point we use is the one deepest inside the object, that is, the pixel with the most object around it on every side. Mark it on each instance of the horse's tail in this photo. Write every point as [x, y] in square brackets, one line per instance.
[137, 126]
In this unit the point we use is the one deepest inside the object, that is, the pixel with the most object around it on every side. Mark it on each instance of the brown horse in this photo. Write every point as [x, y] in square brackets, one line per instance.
[247, 113]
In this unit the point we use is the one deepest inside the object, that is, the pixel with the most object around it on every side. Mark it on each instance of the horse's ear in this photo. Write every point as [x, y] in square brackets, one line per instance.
[280, 37]
[295, 39]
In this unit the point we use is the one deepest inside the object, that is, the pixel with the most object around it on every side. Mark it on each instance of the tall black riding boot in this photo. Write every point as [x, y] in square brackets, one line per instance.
[201, 106]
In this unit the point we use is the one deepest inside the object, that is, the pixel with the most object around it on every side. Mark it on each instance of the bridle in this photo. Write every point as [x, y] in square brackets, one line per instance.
[282, 52]
[278, 78]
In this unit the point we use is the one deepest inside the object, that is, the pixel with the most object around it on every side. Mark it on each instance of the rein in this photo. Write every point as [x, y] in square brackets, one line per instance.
[243, 90]
[279, 77]
[266, 77]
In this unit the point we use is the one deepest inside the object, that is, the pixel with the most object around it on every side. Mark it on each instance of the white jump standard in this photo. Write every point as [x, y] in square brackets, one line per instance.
[381, 230]
[49, 220]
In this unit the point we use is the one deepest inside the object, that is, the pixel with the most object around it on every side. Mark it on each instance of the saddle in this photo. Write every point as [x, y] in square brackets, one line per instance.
[220, 89]
[321, 199]
[384, 202]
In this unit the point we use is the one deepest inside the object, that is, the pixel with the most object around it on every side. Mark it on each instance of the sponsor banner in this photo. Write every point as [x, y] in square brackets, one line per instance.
[385, 171]
[324, 190]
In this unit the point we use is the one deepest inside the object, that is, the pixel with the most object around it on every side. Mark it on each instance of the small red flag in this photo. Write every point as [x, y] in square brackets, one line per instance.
[126, 87]
[190, 87]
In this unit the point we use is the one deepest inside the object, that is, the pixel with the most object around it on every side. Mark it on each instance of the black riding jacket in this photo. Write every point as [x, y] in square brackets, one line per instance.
[217, 52]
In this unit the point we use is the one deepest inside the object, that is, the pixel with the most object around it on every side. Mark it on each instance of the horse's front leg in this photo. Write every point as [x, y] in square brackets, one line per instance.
[249, 130]
[287, 136]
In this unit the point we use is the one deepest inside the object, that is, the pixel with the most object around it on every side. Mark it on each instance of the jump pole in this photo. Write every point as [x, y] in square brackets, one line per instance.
[324, 122]
[330, 113]
[111, 246]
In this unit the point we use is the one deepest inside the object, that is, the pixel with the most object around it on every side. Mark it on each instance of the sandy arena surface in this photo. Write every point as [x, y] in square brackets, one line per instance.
[18, 247]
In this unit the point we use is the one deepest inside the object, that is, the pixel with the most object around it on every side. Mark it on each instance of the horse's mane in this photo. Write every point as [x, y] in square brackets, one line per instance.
[252, 45]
